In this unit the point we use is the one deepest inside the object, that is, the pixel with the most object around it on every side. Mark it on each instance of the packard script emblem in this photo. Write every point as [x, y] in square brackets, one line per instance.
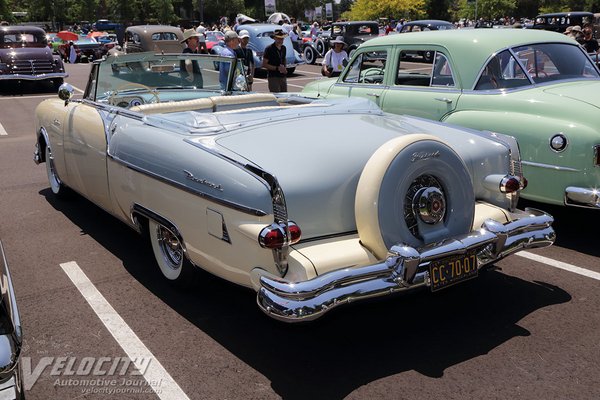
[191, 177]
[424, 155]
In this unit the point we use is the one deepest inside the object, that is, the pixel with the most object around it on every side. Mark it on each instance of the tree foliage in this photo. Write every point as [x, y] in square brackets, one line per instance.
[395, 9]
[486, 9]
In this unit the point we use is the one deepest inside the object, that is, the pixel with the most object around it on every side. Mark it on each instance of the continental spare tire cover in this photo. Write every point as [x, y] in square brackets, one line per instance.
[414, 190]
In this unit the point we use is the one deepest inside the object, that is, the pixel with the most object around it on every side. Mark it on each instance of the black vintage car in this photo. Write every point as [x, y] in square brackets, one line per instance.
[558, 22]
[24, 55]
[354, 33]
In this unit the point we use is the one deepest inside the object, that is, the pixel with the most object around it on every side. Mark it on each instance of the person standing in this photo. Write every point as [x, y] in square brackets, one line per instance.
[245, 54]
[72, 53]
[232, 42]
[588, 42]
[190, 70]
[335, 59]
[274, 61]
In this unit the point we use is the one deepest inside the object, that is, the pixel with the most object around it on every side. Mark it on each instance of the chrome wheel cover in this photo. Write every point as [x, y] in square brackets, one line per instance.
[170, 247]
[426, 201]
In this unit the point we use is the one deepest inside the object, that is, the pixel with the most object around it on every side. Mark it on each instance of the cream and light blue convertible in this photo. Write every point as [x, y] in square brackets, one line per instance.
[538, 86]
[311, 203]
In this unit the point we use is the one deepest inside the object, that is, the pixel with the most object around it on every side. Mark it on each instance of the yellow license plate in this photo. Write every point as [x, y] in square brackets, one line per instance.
[451, 270]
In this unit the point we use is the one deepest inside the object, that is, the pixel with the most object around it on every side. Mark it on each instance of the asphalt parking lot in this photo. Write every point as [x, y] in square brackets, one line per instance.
[100, 322]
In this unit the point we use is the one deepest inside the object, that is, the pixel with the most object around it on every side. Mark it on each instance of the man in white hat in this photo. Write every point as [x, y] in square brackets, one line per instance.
[232, 41]
[274, 61]
[190, 70]
[245, 54]
[335, 59]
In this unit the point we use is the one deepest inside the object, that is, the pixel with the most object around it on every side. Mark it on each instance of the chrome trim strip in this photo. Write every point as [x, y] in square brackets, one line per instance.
[404, 268]
[548, 166]
[41, 77]
[226, 203]
[582, 197]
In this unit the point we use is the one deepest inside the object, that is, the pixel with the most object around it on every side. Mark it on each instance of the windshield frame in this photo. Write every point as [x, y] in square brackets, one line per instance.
[111, 74]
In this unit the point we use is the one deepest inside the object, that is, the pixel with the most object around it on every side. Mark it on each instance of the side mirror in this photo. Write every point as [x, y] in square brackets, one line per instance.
[65, 92]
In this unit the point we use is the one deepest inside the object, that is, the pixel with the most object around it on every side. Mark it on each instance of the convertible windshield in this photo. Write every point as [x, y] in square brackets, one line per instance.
[149, 72]
[537, 63]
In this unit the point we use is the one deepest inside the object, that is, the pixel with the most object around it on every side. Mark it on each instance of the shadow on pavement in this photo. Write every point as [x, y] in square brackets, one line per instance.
[354, 345]
[576, 228]
[14, 88]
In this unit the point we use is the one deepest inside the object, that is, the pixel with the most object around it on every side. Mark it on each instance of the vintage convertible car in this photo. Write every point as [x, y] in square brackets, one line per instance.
[244, 187]
[11, 337]
[25, 55]
[538, 86]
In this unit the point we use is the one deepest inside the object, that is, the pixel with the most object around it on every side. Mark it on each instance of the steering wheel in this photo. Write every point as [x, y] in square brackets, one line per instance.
[541, 72]
[115, 92]
[373, 75]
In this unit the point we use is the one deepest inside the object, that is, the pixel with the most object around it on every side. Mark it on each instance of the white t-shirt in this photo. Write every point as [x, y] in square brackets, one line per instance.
[335, 60]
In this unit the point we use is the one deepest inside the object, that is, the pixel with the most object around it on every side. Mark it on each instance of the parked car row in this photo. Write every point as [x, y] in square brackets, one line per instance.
[538, 86]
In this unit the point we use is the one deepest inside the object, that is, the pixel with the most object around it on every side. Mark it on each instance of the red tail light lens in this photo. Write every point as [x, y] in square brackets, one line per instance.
[274, 237]
[510, 184]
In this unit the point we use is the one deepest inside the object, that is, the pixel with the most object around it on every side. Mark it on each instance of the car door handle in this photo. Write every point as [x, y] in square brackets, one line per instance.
[374, 94]
[444, 99]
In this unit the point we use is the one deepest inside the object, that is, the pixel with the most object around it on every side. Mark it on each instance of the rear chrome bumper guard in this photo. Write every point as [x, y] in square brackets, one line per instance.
[582, 197]
[404, 268]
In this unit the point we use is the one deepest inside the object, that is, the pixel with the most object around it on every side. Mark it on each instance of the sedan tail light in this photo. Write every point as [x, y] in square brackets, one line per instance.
[274, 236]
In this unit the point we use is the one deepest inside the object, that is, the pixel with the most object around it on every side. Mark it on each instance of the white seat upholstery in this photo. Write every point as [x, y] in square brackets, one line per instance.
[175, 106]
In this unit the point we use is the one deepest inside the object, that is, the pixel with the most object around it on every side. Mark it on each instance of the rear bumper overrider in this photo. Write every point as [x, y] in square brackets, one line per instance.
[404, 268]
[582, 197]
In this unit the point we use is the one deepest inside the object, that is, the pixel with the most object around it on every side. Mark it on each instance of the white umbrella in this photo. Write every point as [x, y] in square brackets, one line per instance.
[278, 16]
[244, 19]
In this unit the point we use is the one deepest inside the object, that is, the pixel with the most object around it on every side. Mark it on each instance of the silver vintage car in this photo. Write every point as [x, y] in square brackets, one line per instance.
[246, 188]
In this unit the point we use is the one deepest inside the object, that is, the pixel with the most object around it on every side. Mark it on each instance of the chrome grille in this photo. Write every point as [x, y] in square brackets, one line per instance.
[32, 67]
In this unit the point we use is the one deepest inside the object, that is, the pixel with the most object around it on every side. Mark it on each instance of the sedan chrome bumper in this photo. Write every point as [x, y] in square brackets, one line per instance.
[41, 77]
[582, 197]
[404, 268]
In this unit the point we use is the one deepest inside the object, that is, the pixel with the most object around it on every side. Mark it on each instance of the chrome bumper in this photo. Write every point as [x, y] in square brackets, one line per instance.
[40, 77]
[404, 268]
[582, 197]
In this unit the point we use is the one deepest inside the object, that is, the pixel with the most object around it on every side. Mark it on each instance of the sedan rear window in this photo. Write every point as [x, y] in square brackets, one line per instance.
[536, 63]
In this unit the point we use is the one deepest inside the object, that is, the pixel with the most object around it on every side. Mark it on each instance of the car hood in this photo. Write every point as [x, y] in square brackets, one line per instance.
[319, 87]
[584, 91]
[26, 53]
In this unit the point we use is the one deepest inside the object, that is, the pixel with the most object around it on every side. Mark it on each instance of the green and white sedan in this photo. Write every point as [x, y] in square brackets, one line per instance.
[540, 87]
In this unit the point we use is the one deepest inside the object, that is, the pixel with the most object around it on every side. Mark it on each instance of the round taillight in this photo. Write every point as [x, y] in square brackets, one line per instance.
[295, 232]
[510, 184]
[272, 237]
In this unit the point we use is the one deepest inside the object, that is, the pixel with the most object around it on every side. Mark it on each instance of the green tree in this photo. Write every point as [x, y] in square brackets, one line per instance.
[163, 11]
[486, 9]
[373, 9]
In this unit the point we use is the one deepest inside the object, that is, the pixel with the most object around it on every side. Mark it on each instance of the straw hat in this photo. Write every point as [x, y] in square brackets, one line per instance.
[189, 33]
[278, 34]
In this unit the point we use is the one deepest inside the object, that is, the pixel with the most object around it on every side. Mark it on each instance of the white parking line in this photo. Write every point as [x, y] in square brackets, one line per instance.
[560, 265]
[127, 339]
[2, 130]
